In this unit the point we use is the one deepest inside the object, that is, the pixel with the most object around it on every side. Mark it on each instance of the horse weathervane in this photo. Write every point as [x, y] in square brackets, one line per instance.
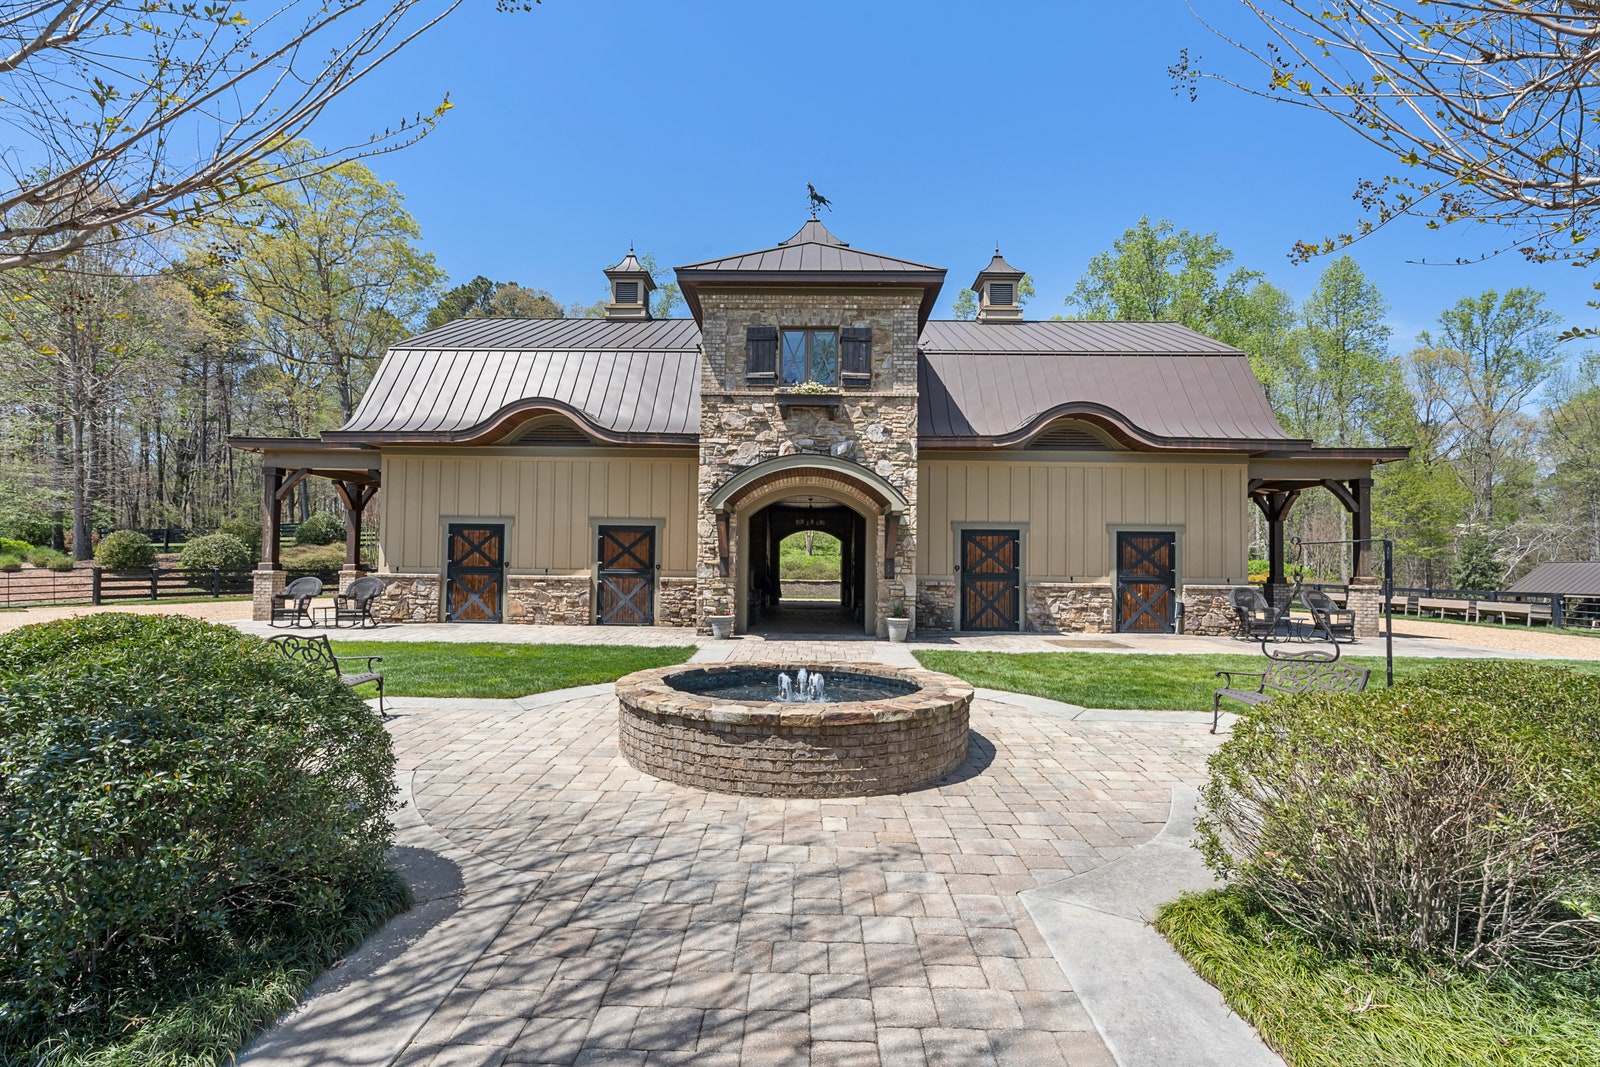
[817, 200]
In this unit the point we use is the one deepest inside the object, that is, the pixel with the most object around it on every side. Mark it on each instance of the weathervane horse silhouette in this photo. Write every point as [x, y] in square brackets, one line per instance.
[818, 200]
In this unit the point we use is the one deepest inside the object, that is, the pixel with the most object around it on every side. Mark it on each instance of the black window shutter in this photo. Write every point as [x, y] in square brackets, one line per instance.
[855, 356]
[761, 355]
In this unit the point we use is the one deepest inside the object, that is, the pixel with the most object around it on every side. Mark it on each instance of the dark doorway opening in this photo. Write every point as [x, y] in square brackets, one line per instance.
[830, 607]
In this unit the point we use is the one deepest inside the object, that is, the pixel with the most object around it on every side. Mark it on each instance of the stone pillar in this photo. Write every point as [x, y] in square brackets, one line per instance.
[1365, 598]
[266, 583]
[349, 573]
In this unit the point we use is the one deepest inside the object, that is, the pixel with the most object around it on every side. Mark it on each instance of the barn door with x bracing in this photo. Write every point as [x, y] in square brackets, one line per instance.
[989, 575]
[476, 572]
[627, 575]
[1145, 582]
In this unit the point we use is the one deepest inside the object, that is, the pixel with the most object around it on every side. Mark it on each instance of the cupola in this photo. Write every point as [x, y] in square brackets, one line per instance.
[996, 286]
[631, 286]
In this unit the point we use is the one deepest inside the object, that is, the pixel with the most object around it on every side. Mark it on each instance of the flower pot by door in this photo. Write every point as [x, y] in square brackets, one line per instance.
[898, 628]
[721, 625]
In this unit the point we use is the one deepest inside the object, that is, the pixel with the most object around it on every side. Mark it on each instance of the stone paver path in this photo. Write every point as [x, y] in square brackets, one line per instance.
[663, 925]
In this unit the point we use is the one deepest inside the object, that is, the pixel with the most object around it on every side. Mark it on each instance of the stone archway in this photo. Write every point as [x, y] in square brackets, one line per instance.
[877, 502]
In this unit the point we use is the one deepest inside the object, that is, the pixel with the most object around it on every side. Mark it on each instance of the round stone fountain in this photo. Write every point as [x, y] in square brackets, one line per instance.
[794, 730]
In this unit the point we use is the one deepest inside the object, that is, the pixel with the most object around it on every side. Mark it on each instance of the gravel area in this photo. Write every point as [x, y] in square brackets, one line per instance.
[1509, 638]
[210, 610]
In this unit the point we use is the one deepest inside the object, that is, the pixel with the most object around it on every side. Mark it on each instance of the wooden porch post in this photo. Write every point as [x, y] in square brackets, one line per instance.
[271, 517]
[1361, 527]
[1275, 507]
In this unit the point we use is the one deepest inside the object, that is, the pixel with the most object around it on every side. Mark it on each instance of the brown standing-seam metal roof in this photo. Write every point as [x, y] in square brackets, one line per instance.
[1568, 577]
[982, 385]
[1155, 384]
[473, 379]
[815, 256]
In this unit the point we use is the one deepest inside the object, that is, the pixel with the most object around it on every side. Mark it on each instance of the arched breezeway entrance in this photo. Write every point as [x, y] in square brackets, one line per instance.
[769, 607]
[760, 505]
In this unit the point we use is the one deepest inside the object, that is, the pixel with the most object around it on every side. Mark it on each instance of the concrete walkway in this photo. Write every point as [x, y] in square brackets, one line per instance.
[575, 911]
[839, 647]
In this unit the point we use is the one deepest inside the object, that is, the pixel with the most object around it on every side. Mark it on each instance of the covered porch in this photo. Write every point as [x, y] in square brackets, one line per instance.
[355, 474]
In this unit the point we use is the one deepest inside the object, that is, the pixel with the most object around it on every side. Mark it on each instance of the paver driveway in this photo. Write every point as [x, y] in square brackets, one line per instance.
[663, 925]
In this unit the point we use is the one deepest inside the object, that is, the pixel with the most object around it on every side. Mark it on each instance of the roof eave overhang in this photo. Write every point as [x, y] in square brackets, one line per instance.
[1121, 429]
[503, 421]
[930, 281]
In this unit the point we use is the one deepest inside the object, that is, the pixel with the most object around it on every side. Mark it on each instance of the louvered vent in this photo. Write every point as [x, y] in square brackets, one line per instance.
[548, 432]
[627, 292]
[1003, 293]
[1071, 436]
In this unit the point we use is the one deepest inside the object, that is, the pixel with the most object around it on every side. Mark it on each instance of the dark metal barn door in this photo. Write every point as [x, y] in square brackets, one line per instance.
[990, 568]
[627, 575]
[1146, 579]
[476, 572]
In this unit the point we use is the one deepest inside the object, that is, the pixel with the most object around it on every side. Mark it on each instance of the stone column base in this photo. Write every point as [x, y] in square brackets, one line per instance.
[348, 574]
[1365, 598]
[266, 583]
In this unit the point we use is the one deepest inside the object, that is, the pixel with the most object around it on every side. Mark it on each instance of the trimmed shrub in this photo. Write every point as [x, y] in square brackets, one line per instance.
[322, 528]
[50, 559]
[1416, 821]
[314, 557]
[246, 530]
[215, 552]
[125, 550]
[10, 564]
[172, 794]
[10, 546]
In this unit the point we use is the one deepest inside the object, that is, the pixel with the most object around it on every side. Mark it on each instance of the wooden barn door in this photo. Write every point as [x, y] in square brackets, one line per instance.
[476, 572]
[627, 575]
[990, 570]
[1146, 579]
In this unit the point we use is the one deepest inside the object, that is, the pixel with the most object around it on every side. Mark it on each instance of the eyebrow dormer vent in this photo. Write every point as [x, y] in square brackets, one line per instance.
[630, 290]
[996, 286]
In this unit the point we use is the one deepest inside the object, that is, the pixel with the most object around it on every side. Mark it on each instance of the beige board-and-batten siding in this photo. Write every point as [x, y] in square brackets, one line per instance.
[1070, 509]
[550, 501]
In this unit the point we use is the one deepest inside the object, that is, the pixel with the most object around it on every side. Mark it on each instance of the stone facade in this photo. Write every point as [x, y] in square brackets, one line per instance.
[677, 602]
[563, 600]
[936, 605]
[1208, 610]
[409, 598]
[875, 428]
[1070, 607]
[265, 584]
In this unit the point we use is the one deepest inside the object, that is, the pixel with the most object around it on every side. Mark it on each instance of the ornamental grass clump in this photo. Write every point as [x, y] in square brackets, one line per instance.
[1458, 821]
[176, 801]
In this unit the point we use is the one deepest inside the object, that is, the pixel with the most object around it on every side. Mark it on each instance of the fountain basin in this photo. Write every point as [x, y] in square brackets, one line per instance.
[705, 726]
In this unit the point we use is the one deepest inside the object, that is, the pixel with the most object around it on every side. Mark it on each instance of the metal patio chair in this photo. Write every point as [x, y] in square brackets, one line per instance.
[1257, 618]
[354, 605]
[293, 605]
[1332, 621]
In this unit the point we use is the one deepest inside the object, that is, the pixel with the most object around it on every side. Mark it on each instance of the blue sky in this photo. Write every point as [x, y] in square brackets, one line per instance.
[691, 130]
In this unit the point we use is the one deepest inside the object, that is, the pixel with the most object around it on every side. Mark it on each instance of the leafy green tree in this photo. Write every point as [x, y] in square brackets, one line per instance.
[1572, 450]
[1488, 357]
[1476, 566]
[329, 271]
[1155, 273]
[512, 301]
[462, 300]
[966, 303]
[1355, 386]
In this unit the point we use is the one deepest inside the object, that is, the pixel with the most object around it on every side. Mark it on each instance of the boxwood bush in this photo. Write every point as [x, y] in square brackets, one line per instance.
[173, 797]
[246, 530]
[124, 550]
[322, 528]
[1455, 818]
[215, 552]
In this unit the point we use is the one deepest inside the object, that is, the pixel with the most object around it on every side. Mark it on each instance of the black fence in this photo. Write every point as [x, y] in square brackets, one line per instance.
[1483, 605]
[94, 585]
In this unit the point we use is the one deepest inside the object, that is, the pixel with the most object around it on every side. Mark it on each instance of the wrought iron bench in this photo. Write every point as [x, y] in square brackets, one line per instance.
[316, 652]
[354, 605]
[1257, 618]
[1302, 672]
[293, 605]
[1335, 623]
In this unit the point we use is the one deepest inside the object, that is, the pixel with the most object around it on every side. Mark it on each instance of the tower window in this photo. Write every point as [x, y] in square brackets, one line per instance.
[810, 356]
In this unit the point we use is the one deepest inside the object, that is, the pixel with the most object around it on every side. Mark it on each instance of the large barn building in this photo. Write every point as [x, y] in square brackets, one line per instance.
[992, 474]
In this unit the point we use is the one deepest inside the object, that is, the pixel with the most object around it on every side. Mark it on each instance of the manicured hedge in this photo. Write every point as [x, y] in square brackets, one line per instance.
[175, 798]
[125, 550]
[215, 552]
[320, 529]
[1453, 818]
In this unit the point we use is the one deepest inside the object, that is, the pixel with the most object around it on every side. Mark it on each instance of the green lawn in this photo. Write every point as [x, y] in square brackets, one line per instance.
[449, 669]
[1319, 1009]
[1135, 680]
[821, 566]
